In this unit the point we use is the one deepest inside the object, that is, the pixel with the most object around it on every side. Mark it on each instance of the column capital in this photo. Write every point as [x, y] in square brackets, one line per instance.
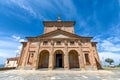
[52, 42]
[66, 42]
[79, 42]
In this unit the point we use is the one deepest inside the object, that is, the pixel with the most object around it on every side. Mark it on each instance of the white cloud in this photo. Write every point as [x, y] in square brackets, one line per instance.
[16, 37]
[21, 40]
[115, 30]
[7, 44]
[110, 44]
[114, 56]
[18, 49]
[115, 39]
[6, 53]
[96, 38]
[10, 46]
[108, 48]
[23, 4]
[2, 60]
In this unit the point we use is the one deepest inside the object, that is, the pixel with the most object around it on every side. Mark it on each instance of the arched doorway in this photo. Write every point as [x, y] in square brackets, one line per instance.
[58, 59]
[73, 59]
[43, 59]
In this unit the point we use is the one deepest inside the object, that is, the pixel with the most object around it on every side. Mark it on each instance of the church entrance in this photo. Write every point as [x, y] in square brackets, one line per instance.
[73, 59]
[58, 60]
[43, 59]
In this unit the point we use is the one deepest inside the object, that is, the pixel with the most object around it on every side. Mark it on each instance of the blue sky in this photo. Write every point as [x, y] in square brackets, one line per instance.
[97, 18]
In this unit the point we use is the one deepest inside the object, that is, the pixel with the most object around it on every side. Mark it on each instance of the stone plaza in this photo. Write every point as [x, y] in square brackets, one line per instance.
[59, 75]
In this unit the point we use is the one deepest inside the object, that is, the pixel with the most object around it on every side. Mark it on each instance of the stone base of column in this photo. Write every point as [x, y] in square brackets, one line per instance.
[20, 68]
[50, 68]
[66, 68]
[34, 69]
[82, 69]
[95, 68]
[27, 67]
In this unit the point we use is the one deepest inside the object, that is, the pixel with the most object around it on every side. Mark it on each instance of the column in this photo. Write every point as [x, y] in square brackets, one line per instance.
[98, 59]
[82, 62]
[51, 57]
[93, 58]
[51, 62]
[66, 58]
[36, 57]
[66, 61]
[26, 55]
[94, 63]
[81, 57]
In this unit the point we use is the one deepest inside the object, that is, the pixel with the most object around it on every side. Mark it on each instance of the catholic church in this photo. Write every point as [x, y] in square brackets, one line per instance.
[59, 47]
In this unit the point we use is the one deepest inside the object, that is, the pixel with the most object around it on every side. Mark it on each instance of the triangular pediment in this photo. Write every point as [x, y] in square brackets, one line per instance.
[59, 36]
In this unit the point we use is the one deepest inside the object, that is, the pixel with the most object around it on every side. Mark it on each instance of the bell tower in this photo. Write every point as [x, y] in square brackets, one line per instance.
[59, 24]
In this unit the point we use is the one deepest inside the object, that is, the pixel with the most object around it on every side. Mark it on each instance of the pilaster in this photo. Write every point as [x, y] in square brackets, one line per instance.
[51, 57]
[66, 58]
[26, 55]
[36, 57]
[93, 58]
[97, 57]
[81, 57]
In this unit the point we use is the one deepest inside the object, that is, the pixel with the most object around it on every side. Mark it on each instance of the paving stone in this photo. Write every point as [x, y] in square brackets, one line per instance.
[58, 75]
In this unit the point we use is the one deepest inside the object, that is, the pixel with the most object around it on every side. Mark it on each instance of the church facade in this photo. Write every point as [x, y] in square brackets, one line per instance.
[59, 47]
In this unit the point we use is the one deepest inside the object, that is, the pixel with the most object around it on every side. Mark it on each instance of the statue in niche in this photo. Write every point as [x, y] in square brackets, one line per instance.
[30, 61]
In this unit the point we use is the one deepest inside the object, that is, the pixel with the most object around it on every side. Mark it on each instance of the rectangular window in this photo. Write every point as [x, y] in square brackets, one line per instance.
[58, 42]
[87, 59]
[45, 43]
[71, 42]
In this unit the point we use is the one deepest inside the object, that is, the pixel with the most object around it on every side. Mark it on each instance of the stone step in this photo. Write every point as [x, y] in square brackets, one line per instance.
[88, 68]
[27, 67]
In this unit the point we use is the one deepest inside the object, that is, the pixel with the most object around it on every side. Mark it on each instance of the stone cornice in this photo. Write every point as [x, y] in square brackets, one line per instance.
[41, 39]
[58, 23]
[24, 43]
[94, 42]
